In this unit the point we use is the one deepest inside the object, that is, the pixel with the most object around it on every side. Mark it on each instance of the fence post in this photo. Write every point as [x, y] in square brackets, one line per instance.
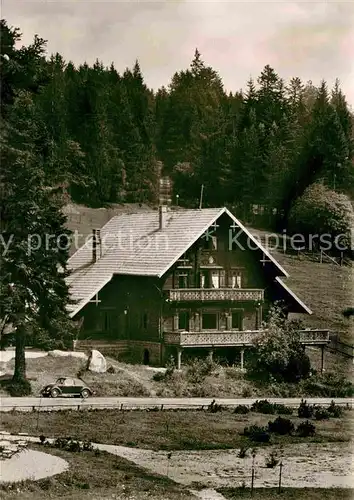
[252, 480]
[280, 469]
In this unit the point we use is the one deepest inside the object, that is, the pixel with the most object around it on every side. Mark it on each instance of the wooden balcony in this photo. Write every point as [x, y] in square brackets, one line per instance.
[235, 338]
[214, 294]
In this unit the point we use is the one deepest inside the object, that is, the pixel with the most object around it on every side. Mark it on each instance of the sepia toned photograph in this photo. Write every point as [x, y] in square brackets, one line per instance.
[176, 250]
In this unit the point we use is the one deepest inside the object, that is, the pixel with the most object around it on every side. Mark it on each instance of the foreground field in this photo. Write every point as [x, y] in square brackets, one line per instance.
[96, 476]
[102, 475]
[167, 430]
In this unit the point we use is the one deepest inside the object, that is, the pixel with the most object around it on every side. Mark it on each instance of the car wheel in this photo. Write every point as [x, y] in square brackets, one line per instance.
[54, 393]
[85, 393]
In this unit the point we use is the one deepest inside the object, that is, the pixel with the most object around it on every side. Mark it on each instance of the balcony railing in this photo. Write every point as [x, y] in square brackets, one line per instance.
[214, 294]
[236, 338]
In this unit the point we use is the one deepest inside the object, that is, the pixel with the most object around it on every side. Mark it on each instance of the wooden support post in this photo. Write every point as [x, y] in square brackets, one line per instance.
[211, 353]
[242, 358]
[179, 358]
[322, 358]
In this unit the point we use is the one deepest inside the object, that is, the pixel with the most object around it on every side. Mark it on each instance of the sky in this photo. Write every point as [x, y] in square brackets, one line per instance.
[311, 40]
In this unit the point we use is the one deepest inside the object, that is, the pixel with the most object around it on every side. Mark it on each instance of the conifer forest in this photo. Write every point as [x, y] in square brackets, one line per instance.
[104, 135]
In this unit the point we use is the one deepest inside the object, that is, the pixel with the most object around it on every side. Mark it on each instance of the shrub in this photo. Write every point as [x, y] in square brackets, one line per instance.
[306, 429]
[18, 389]
[321, 414]
[243, 452]
[159, 376]
[281, 426]
[335, 411]
[73, 445]
[305, 410]
[278, 353]
[214, 407]
[330, 385]
[272, 460]
[322, 210]
[246, 392]
[282, 409]
[241, 409]
[263, 406]
[256, 433]
[198, 369]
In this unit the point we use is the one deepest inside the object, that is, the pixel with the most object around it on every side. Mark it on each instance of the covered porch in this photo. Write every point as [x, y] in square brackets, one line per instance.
[241, 339]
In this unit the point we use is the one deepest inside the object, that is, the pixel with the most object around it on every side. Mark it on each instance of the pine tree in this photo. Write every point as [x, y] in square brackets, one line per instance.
[33, 288]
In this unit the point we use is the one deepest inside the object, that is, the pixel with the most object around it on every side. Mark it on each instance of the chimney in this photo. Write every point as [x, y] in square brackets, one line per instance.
[162, 216]
[96, 244]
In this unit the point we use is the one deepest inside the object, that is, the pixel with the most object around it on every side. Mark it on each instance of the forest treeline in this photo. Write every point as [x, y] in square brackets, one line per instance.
[103, 134]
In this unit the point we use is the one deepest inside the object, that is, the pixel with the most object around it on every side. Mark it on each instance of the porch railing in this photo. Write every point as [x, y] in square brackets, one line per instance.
[214, 294]
[236, 338]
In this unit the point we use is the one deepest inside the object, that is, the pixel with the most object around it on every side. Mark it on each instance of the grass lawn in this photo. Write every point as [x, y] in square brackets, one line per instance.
[165, 430]
[288, 493]
[96, 476]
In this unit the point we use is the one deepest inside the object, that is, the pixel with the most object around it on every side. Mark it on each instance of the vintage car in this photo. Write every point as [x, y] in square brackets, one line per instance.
[67, 386]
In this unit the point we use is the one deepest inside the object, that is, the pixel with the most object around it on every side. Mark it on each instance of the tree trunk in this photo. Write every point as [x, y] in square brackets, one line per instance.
[20, 359]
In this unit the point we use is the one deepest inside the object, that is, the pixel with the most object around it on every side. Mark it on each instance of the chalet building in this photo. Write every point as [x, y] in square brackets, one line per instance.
[174, 282]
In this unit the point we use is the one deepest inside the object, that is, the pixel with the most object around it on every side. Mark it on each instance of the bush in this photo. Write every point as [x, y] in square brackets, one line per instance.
[335, 411]
[241, 409]
[322, 210]
[18, 389]
[281, 426]
[272, 460]
[73, 445]
[263, 406]
[214, 407]
[159, 377]
[256, 433]
[321, 414]
[306, 429]
[328, 385]
[282, 409]
[243, 452]
[198, 369]
[278, 353]
[305, 410]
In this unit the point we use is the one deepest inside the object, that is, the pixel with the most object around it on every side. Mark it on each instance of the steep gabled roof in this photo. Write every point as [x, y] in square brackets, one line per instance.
[133, 244]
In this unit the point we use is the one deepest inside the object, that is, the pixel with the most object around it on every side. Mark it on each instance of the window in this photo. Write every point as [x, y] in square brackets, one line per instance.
[214, 278]
[235, 279]
[183, 320]
[182, 279]
[209, 321]
[236, 320]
